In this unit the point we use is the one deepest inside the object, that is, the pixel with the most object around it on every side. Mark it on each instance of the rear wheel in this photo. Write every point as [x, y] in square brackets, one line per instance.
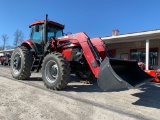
[55, 71]
[21, 63]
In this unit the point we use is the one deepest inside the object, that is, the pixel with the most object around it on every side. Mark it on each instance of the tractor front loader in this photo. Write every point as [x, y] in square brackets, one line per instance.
[58, 56]
[121, 74]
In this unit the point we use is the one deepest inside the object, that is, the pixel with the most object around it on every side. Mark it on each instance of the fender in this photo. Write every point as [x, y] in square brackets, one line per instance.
[29, 44]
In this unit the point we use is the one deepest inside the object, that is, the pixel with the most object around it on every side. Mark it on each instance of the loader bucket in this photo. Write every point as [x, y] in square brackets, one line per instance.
[116, 74]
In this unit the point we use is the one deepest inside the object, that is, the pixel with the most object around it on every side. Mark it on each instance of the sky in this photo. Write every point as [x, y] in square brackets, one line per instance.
[97, 18]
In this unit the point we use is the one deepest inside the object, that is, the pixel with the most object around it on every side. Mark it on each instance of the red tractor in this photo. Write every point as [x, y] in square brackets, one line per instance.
[58, 56]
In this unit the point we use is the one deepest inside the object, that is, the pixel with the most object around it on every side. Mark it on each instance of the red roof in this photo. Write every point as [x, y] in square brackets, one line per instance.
[50, 22]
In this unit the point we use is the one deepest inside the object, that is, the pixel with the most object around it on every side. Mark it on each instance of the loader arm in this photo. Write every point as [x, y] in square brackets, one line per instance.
[88, 52]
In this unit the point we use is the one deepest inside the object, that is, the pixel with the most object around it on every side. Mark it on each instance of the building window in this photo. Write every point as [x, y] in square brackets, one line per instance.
[140, 55]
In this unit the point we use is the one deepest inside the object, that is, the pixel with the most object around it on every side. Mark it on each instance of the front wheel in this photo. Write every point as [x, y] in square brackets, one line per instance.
[21, 63]
[55, 71]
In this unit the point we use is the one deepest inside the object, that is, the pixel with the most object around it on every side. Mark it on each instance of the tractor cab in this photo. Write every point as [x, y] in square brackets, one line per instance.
[42, 31]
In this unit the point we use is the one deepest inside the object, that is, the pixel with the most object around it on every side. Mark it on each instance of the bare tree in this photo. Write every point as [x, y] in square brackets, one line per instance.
[4, 40]
[19, 36]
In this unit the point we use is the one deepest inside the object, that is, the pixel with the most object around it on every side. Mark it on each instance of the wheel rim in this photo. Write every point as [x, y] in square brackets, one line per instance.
[51, 71]
[85, 74]
[16, 63]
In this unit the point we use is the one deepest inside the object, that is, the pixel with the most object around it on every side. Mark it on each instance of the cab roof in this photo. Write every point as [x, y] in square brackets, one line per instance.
[50, 22]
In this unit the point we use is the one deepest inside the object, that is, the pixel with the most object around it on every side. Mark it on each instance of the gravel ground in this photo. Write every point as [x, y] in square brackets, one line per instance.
[31, 100]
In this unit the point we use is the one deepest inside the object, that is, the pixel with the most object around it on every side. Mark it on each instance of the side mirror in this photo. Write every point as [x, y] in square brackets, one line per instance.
[37, 28]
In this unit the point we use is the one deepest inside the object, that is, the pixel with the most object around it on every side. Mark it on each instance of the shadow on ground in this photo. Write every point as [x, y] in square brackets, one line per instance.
[150, 96]
[73, 85]
[34, 79]
[81, 87]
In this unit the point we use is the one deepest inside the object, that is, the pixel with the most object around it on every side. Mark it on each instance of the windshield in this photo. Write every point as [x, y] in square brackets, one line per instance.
[53, 31]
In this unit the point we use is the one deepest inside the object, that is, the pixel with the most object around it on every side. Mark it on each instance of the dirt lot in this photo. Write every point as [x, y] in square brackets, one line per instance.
[30, 100]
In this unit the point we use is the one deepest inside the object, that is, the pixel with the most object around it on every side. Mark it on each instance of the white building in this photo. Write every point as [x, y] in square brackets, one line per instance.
[3, 52]
[141, 46]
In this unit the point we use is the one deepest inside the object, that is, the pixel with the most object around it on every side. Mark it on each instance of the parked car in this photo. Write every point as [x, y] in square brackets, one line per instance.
[5, 60]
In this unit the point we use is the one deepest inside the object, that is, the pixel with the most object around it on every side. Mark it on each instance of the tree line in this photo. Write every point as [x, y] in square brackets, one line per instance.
[18, 38]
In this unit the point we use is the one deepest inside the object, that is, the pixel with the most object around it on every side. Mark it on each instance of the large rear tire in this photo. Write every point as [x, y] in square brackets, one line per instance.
[55, 71]
[21, 63]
